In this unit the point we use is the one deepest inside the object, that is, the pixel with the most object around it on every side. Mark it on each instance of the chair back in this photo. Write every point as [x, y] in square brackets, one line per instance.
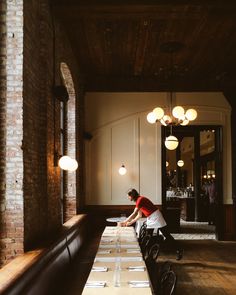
[168, 283]
[142, 232]
[144, 243]
[154, 251]
[164, 267]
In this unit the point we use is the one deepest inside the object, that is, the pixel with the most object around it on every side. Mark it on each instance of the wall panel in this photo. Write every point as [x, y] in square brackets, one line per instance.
[150, 160]
[99, 174]
[124, 150]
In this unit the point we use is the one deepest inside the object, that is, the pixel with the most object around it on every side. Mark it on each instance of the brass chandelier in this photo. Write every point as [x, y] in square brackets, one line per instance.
[176, 115]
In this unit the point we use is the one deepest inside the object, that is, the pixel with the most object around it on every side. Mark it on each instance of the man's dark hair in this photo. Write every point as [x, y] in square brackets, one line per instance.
[133, 194]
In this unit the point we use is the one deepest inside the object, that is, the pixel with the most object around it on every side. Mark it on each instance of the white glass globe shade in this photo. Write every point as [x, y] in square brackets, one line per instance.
[64, 162]
[180, 163]
[151, 118]
[122, 170]
[191, 114]
[73, 165]
[163, 122]
[171, 142]
[167, 163]
[178, 112]
[159, 113]
[167, 119]
[184, 122]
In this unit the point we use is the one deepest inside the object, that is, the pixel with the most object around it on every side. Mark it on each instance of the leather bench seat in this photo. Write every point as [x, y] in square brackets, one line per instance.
[40, 271]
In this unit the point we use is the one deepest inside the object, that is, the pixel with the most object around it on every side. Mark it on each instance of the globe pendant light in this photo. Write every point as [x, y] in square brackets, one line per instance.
[122, 170]
[171, 142]
[180, 163]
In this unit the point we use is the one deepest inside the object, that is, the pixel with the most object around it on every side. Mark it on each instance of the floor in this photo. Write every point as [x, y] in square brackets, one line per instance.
[195, 231]
[207, 268]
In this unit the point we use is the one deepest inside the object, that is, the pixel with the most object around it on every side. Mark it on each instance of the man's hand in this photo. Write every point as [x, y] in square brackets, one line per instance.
[121, 223]
[129, 223]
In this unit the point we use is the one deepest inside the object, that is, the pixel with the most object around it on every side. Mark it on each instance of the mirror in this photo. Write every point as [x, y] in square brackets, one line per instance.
[179, 168]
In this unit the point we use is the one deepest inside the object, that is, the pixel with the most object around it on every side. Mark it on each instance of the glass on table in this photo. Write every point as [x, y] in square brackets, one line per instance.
[118, 242]
[117, 271]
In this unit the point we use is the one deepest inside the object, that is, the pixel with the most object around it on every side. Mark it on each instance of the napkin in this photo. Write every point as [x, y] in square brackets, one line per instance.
[133, 251]
[131, 258]
[104, 240]
[107, 259]
[95, 284]
[99, 268]
[129, 240]
[136, 268]
[104, 252]
[138, 284]
[130, 246]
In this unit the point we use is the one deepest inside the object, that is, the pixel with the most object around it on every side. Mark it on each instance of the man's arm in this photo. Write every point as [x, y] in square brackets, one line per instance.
[132, 216]
[137, 216]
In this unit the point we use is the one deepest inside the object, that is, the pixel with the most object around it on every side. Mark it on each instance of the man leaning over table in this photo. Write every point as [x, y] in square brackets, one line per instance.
[154, 216]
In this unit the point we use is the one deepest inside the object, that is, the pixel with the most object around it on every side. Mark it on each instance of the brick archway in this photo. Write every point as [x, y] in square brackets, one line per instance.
[70, 196]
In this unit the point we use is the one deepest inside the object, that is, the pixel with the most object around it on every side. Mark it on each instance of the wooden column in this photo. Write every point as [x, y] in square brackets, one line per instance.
[230, 95]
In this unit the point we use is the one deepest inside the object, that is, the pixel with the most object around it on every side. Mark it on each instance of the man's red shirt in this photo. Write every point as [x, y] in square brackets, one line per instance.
[145, 205]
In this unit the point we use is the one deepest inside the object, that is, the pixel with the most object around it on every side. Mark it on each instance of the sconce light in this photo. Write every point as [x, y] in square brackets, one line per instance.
[65, 162]
[167, 163]
[122, 170]
[180, 163]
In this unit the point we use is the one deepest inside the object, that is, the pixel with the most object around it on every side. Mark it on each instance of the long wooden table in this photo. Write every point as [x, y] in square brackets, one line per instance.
[118, 267]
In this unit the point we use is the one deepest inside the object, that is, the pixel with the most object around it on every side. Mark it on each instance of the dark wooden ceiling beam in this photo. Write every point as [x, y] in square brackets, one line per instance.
[96, 3]
[117, 43]
[142, 43]
[149, 84]
[136, 9]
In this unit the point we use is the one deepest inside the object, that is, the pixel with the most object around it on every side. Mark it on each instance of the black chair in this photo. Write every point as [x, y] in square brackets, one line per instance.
[151, 264]
[142, 232]
[168, 283]
[163, 268]
[153, 251]
[144, 244]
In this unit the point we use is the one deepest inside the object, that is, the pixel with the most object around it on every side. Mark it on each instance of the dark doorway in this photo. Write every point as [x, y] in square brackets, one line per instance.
[192, 176]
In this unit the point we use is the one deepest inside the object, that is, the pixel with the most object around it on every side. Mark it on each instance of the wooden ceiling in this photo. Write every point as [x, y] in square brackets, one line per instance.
[118, 43]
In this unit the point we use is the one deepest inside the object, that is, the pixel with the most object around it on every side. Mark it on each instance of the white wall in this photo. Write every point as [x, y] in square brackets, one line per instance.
[122, 135]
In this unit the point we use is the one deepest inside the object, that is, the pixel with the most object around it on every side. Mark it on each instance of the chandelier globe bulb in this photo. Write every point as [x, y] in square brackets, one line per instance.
[159, 113]
[151, 118]
[178, 112]
[191, 114]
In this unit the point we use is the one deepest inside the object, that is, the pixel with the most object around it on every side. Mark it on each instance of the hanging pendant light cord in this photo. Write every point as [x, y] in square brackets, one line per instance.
[171, 80]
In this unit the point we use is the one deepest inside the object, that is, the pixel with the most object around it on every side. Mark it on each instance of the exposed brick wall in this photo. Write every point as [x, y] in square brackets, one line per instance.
[30, 196]
[2, 128]
[43, 212]
[12, 117]
[35, 123]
